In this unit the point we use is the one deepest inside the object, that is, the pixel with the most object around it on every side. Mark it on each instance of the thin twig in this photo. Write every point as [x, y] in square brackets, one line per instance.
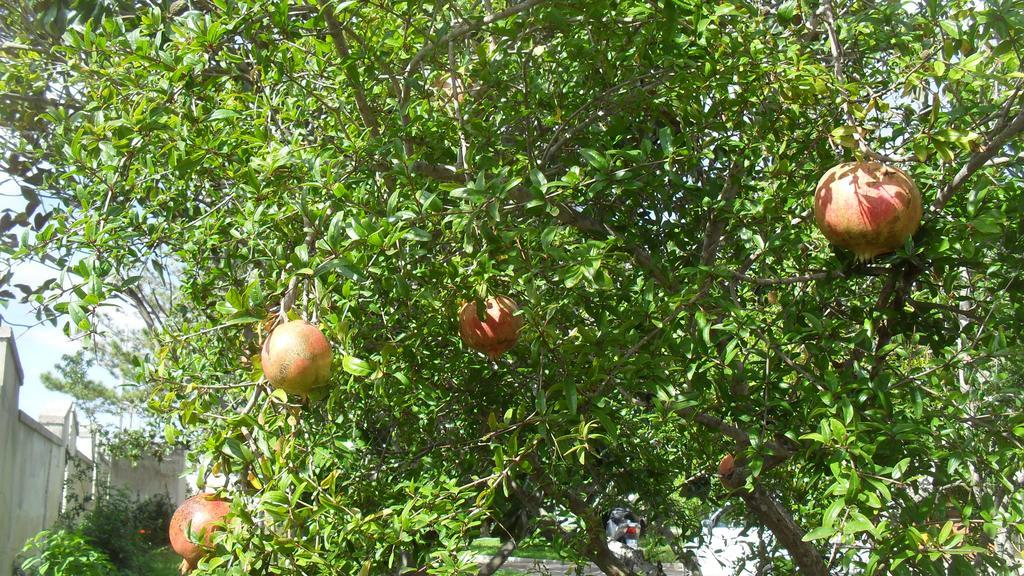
[828, 12]
[256, 393]
[456, 81]
[291, 294]
[919, 305]
[466, 28]
[716, 224]
[337, 35]
[961, 350]
[564, 133]
[978, 160]
[791, 280]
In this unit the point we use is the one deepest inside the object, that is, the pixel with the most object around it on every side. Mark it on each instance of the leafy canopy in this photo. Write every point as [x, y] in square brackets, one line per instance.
[637, 176]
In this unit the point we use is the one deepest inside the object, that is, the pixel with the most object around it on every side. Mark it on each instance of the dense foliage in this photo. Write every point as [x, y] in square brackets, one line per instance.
[113, 533]
[636, 175]
[64, 552]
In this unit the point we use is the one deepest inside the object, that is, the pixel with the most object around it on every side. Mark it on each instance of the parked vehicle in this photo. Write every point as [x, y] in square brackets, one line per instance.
[623, 526]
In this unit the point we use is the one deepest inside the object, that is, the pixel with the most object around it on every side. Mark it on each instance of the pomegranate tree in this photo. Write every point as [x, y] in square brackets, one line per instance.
[496, 332]
[296, 357]
[192, 525]
[868, 208]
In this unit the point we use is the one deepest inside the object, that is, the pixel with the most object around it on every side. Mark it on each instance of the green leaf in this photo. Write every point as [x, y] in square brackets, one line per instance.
[858, 523]
[223, 113]
[538, 178]
[944, 533]
[819, 533]
[235, 450]
[595, 158]
[950, 28]
[548, 235]
[78, 315]
[242, 320]
[570, 396]
[665, 137]
[838, 430]
[341, 267]
[418, 235]
[356, 366]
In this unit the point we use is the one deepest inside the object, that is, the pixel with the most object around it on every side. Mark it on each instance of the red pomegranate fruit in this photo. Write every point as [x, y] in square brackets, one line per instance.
[727, 466]
[296, 357]
[497, 332]
[197, 516]
[868, 208]
[727, 473]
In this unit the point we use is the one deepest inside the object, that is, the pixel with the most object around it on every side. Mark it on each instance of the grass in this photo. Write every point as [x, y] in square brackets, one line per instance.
[543, 550]
[532, 549]
[660, 553]
[163, 562]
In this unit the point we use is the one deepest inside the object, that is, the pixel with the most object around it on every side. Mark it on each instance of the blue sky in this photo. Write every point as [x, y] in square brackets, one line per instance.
[40, 347]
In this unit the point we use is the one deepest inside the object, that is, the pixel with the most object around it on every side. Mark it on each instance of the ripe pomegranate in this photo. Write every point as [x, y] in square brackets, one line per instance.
[196, 516]
[867, 207]
[727, 473]
[296, 357]
[497, 332]
[727, 466]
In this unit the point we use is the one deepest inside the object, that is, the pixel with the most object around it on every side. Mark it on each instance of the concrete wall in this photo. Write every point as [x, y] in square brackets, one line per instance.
[31, 463]
[10, 371]
[149, 477]
[37, 482]
[42, 470]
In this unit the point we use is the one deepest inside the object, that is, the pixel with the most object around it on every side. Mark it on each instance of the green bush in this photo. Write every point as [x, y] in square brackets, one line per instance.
[111, 527]
[124, 528]
[127, 529]
[153, 519]
[64, 552]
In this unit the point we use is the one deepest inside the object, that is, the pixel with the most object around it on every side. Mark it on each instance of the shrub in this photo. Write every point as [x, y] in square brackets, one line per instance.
[111, 527]
[153, 519]
[64, 552]
[124, 528]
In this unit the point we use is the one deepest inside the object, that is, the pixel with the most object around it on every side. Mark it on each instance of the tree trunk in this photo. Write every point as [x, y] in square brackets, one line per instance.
[599, 554]
[790, 535]
[499, 558]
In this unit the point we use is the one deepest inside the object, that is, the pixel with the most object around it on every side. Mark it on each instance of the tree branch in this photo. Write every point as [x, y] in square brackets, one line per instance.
[978, 160]
[152, 320]
[716, 423]
[467, 28]
[826, 275]
[829, 19]
[337, 35]
[919, 305]
[589, 226]
[517, 528]
[807, 558]
[33, 99]
[499, 558]
[564, 133]
[292, 292]
[566, 215]
[596, 546]
[716, 224]
[438, 172]
[790, 280]
[457, 91]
